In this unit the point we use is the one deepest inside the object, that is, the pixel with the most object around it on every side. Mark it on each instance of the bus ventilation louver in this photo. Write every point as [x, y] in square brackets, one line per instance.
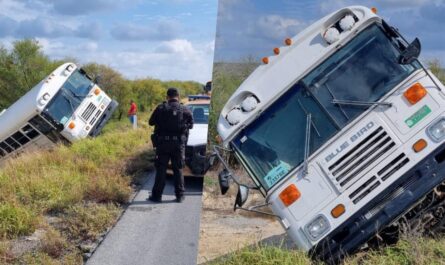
[383, 174]
[351, 167]
[88, 112]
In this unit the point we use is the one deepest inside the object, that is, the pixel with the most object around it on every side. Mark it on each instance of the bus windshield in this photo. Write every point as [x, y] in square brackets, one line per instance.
[363, 70]
[69, 97]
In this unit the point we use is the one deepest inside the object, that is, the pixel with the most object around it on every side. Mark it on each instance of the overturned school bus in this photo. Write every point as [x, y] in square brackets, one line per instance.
[64, 107]
[342, 130]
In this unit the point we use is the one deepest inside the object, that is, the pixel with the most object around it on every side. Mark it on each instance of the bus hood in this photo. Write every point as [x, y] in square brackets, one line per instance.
[198, 135]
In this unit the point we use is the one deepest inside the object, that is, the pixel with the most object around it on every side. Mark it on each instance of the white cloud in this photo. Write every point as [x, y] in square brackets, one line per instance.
[177, 46]
[89, 46]
[160, 30]
[275, 26]
[177, 59]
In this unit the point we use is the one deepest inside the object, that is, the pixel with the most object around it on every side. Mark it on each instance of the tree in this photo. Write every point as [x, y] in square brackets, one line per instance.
[21, 69]
[112, 83]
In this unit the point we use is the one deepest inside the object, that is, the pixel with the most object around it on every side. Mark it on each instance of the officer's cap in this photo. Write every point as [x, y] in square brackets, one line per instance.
[172, 92]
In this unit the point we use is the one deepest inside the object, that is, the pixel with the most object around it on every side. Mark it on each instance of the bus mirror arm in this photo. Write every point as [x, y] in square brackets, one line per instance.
[254, 209]
[226, 174]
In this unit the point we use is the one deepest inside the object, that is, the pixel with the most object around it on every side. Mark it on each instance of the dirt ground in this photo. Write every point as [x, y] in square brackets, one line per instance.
[223, 230]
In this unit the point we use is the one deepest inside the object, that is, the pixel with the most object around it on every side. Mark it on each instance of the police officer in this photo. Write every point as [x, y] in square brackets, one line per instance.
[172, 121]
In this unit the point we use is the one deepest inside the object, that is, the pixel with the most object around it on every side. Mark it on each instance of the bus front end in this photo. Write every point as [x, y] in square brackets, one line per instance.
[74, 104]
[339, 132]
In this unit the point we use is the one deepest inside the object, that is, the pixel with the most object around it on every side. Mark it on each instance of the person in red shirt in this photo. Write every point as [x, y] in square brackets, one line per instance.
[132, 114]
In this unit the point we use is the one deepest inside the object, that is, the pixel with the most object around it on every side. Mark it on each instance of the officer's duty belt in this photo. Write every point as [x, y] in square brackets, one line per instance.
[169, 138]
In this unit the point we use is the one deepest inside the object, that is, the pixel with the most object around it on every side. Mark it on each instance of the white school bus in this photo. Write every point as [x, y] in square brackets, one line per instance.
[64, 107]
[342, 130]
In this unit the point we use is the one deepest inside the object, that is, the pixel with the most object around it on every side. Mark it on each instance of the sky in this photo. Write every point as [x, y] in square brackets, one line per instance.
[252, 28]
[164, 39]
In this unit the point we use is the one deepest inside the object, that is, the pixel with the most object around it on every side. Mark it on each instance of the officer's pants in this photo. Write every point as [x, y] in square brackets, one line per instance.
[166, 151]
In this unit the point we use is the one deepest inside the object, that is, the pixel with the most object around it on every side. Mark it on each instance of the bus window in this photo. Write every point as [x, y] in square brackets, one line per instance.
[2, 153]
[20, 138]
[40, 124]
[12, 143]
[30, 132]
[6, 147]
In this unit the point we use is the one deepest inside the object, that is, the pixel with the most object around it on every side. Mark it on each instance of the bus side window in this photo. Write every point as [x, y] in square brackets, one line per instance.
[6, 147]
[30, 132]
[20, 138]
[12, 143]
[2, 153]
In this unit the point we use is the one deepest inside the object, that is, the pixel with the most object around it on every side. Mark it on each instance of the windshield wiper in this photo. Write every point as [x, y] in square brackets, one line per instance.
[360, 103]
[307, 140]
[80, 97]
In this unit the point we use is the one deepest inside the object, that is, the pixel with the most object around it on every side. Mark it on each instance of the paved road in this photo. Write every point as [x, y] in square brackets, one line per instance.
[155, 233]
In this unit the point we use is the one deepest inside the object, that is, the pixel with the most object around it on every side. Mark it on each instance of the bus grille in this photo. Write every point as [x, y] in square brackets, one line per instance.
[95, 118]
[383, 174]
[353, 165]
[88, 112]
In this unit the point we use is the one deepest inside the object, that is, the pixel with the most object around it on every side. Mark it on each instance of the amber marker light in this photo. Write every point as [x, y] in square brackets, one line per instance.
[72, 125]
[97, 91]
[288, 41]
[290, 195]
[419, 145]
[265, 60]
[276, 51]
[338, 211]
[415, 93]
[374, 10]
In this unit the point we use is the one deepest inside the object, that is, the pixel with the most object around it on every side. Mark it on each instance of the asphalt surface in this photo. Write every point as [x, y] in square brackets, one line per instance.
[164, 233]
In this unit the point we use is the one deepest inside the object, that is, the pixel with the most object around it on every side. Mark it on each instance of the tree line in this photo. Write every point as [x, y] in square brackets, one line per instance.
[25, 65]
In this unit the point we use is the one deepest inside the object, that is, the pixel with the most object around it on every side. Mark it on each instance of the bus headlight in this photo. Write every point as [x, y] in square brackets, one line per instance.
[347, 22]
[331, 35]
[249, 103]
[437, 130]
[234, 116]
[317, 227]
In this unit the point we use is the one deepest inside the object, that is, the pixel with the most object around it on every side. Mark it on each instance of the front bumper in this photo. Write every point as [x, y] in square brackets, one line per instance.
[106, 115]
[195, 159]
[396, 200]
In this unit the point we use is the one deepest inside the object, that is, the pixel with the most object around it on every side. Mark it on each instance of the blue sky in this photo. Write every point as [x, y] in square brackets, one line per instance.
[252, 28]
[166, 39]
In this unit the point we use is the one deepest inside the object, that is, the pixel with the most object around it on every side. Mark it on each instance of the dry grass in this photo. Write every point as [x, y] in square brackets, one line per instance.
[82, 185]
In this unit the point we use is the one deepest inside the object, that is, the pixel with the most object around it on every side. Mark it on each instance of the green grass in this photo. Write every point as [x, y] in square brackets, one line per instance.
[82, 185]
[409, 251]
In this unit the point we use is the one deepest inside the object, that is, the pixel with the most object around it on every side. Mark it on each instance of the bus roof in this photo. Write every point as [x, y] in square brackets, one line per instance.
[308, 49]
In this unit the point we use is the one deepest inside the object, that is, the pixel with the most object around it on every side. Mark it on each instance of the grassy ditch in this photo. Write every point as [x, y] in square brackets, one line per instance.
[53, 203]
[415, 251]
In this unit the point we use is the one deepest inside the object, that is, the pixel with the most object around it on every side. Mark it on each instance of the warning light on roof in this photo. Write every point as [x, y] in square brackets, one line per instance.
[265, 60]
[288, 41]
[276, 51]
[374, 10]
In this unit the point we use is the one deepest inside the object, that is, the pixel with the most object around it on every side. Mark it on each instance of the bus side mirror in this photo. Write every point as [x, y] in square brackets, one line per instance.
[223, 178]
[97, 79]
[241, 197]
[411, 53]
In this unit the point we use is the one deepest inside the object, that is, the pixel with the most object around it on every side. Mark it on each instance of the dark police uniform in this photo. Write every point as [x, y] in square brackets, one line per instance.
[172, 121]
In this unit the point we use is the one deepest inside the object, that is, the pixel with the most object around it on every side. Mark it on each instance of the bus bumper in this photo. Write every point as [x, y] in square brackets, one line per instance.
[104, 119]
[358, 229]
